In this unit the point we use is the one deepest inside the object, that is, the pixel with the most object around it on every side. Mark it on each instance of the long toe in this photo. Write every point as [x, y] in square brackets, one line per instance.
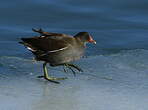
[52, 79]
[40, 76]
[60, 78]
[76, 67]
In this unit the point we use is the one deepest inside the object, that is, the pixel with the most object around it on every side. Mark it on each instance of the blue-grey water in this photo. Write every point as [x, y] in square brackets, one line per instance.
[115, 73]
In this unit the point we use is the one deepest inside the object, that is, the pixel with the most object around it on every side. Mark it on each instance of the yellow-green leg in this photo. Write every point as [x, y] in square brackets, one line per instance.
[71, 66]
[47, 77]
[74, 66]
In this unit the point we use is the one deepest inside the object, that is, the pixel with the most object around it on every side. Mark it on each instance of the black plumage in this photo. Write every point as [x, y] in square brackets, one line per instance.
[57, 49]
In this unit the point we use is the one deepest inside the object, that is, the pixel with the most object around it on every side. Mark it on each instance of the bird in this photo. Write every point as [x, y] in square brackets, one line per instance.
[57, 49]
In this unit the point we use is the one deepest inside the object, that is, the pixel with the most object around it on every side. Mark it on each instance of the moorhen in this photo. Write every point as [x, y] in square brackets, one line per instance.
[57, 49]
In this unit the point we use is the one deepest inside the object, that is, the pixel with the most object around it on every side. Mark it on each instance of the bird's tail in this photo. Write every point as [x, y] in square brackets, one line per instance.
[38, 30]
[24, 41]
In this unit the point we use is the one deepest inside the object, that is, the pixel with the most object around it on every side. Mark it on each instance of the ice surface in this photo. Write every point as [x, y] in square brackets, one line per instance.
[109, 82]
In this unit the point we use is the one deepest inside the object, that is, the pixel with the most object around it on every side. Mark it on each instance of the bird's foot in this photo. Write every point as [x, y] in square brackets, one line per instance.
[75, 66]
[71, 66]
[52, 79]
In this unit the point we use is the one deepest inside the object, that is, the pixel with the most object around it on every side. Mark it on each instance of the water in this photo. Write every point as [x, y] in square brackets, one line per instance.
[115, 70]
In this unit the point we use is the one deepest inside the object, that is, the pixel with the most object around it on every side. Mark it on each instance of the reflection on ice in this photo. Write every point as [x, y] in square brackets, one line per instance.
[127, 89]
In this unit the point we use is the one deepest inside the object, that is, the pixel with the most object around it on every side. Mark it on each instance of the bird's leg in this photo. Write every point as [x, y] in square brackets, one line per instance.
[71, 66]
[74, 73]
[46, 76]
[64, 68]
[74, 66]
[66, 65]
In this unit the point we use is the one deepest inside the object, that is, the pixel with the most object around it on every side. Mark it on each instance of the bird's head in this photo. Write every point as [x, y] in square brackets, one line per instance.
[85, 37]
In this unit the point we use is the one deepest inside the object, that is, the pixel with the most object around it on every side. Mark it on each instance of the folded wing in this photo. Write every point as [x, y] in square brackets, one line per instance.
[46, 44]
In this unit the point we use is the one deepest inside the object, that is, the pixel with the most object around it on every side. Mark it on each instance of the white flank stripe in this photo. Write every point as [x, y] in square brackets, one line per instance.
[54, 51]
[30, 49]
[57, 50]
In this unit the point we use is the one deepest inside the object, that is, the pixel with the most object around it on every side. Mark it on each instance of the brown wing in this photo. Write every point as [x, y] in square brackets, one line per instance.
[47, 43]
[43, 33]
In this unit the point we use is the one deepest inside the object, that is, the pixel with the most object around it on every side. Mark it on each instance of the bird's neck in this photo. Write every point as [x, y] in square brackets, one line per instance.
[80, 42]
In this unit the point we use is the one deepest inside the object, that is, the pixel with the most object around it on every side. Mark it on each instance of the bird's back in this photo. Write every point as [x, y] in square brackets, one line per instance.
[55, 49]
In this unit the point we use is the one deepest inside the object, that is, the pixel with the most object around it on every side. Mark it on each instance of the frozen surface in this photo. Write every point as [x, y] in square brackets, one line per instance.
[116, 69]
[109, 82]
